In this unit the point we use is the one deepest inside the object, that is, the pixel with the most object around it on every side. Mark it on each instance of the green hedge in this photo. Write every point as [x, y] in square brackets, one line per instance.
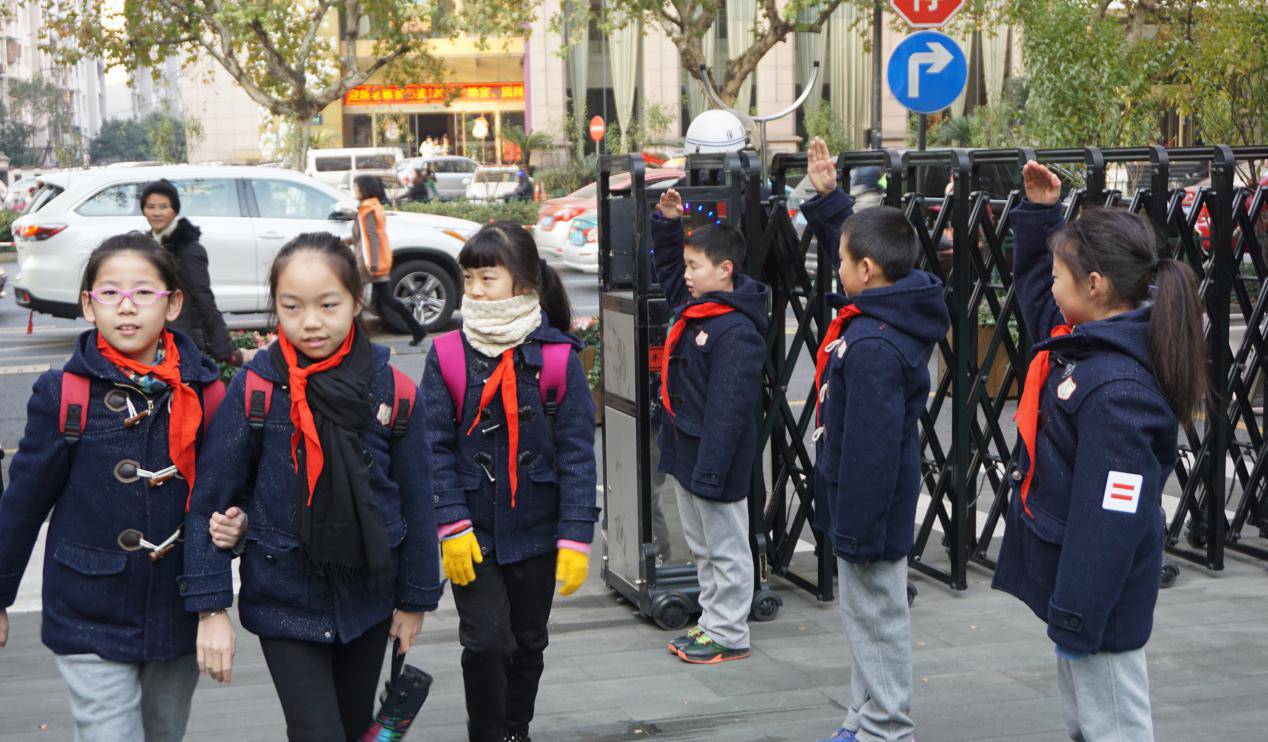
[520, 212]
[6, 223]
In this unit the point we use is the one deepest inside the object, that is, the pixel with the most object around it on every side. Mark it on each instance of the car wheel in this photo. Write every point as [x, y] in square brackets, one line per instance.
[429, 292]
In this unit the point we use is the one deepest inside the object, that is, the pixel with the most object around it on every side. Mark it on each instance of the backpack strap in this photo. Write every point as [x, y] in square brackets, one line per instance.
[404, 394]
[213, 395]
[453, 367]
[74, 406]
[554, 379]
[257, 400]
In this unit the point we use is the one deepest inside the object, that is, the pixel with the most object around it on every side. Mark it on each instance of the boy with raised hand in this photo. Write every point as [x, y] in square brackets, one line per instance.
[710, 380]
[872, 370]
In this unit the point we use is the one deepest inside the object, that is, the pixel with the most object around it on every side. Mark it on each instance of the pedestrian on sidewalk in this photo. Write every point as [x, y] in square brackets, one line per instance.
[369, 237]
[341, 551]
[199, 317]
[1119, 363]
[510, 421]
[110, 448]
[872, 377]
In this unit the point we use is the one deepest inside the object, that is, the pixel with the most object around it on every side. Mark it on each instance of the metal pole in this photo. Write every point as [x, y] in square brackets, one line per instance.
[878, 15]
[1222, 273]
[922, 136]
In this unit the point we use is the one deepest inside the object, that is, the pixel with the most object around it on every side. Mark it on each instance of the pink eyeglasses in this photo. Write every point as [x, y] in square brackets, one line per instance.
[142, 297]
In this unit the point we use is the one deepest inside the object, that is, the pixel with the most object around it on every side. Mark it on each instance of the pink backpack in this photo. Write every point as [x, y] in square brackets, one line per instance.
[452, 355]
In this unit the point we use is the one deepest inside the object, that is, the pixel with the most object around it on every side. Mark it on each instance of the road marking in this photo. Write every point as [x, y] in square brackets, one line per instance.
[34, 368]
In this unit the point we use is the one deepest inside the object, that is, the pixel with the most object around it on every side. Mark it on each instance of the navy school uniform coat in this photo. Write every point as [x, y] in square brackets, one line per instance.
[555, 497]
[1084, 561]
[715, 378]
[877, 382]
[97, 598]
[278, 598]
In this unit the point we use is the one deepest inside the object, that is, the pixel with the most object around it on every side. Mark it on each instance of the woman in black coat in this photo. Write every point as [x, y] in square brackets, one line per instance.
[200, 319]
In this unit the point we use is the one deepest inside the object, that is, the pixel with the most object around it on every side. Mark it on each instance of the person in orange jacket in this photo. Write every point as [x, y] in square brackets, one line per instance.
[369, 238]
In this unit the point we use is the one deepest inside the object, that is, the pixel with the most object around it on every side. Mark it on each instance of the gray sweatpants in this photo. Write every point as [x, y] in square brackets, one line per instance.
[717, 534]
[878, 628]
[1105, 697]
[144, 701]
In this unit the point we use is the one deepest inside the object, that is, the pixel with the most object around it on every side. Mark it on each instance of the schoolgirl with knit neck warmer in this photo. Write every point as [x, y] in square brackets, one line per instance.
[341, 551]
[510, 421]
[111, 448]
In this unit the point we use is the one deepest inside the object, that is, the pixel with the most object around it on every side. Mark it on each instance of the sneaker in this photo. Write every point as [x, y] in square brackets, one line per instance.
[705, 651]
[516, 737]
[842, 735]
[685, 639]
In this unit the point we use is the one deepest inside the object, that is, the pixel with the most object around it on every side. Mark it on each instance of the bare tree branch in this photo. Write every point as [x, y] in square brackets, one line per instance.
[274, 60]
[314, 26]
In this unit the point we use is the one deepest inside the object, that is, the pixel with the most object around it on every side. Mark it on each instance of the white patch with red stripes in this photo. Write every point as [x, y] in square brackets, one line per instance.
[1122, 492]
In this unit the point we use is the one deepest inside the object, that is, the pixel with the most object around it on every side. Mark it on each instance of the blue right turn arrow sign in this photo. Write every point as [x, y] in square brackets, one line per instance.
[927, 72]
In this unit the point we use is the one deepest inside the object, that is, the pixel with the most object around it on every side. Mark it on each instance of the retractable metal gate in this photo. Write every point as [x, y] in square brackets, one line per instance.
[967, 436]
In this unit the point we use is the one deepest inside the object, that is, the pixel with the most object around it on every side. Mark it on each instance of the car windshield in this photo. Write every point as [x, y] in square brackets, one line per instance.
[495, 176]
[376, 162]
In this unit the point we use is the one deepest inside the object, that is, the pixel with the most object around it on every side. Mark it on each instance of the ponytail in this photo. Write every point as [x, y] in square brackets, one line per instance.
[1123, 247]
[1176, 345]
[554, 299]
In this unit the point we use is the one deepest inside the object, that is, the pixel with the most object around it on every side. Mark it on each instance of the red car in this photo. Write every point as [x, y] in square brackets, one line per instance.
[1203, 223]
[553, 221]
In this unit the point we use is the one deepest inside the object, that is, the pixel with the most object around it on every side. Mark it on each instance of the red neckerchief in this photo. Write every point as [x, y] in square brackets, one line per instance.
[301, 414]
[835, 328]
[503, 378]
[1027, 416]
[187, 411]
[695, 311]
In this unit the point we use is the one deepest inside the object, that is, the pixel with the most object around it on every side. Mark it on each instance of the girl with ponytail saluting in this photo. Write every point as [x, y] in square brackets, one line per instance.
[511, 426]
[1119, 363]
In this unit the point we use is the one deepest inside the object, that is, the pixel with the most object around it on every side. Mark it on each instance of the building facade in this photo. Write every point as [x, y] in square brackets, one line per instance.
[82, 85]
[626, 76]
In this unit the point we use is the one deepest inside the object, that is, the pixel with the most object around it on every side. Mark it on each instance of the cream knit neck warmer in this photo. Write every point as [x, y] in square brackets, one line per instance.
[169, 229]
[493, 327]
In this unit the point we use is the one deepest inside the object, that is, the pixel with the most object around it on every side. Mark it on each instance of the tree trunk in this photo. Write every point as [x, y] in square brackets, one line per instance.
[299, 141]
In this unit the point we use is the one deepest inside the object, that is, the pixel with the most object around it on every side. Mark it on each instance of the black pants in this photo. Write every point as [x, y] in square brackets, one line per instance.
[385, 302]
[502, 627]
[327, 690]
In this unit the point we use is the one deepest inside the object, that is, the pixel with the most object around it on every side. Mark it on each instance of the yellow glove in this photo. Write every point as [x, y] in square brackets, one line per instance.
[459, 554]
[571, 567]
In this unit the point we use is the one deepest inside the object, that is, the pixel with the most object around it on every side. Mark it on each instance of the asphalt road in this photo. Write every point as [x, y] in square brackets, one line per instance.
[23, 356]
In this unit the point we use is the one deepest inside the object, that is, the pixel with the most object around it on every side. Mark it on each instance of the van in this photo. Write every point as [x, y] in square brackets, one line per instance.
[331, 166]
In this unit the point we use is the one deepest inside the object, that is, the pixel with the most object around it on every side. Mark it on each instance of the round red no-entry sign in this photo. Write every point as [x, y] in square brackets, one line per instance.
[597, 129]
[926, 13]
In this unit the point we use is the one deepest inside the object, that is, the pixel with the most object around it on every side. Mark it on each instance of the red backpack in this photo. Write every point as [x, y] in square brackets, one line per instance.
[74, 406]
[258, 399]
[452, 355]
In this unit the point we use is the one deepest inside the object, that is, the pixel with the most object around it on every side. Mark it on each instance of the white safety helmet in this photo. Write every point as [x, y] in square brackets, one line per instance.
[715, 130]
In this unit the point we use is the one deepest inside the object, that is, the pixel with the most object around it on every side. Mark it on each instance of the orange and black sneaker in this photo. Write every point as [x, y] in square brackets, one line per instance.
[705, 651]
[678, 644]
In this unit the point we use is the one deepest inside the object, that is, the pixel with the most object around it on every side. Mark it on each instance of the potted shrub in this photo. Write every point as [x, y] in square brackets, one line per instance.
[245, 340]
[587, 328]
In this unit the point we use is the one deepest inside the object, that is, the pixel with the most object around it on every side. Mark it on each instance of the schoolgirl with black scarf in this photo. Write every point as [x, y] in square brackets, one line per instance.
[341, 548]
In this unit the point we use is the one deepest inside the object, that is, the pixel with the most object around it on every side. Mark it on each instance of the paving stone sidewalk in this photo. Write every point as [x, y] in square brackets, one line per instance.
[984, 671]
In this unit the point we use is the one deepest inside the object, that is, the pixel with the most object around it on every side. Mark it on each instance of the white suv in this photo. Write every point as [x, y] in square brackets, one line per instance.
[245, 213]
